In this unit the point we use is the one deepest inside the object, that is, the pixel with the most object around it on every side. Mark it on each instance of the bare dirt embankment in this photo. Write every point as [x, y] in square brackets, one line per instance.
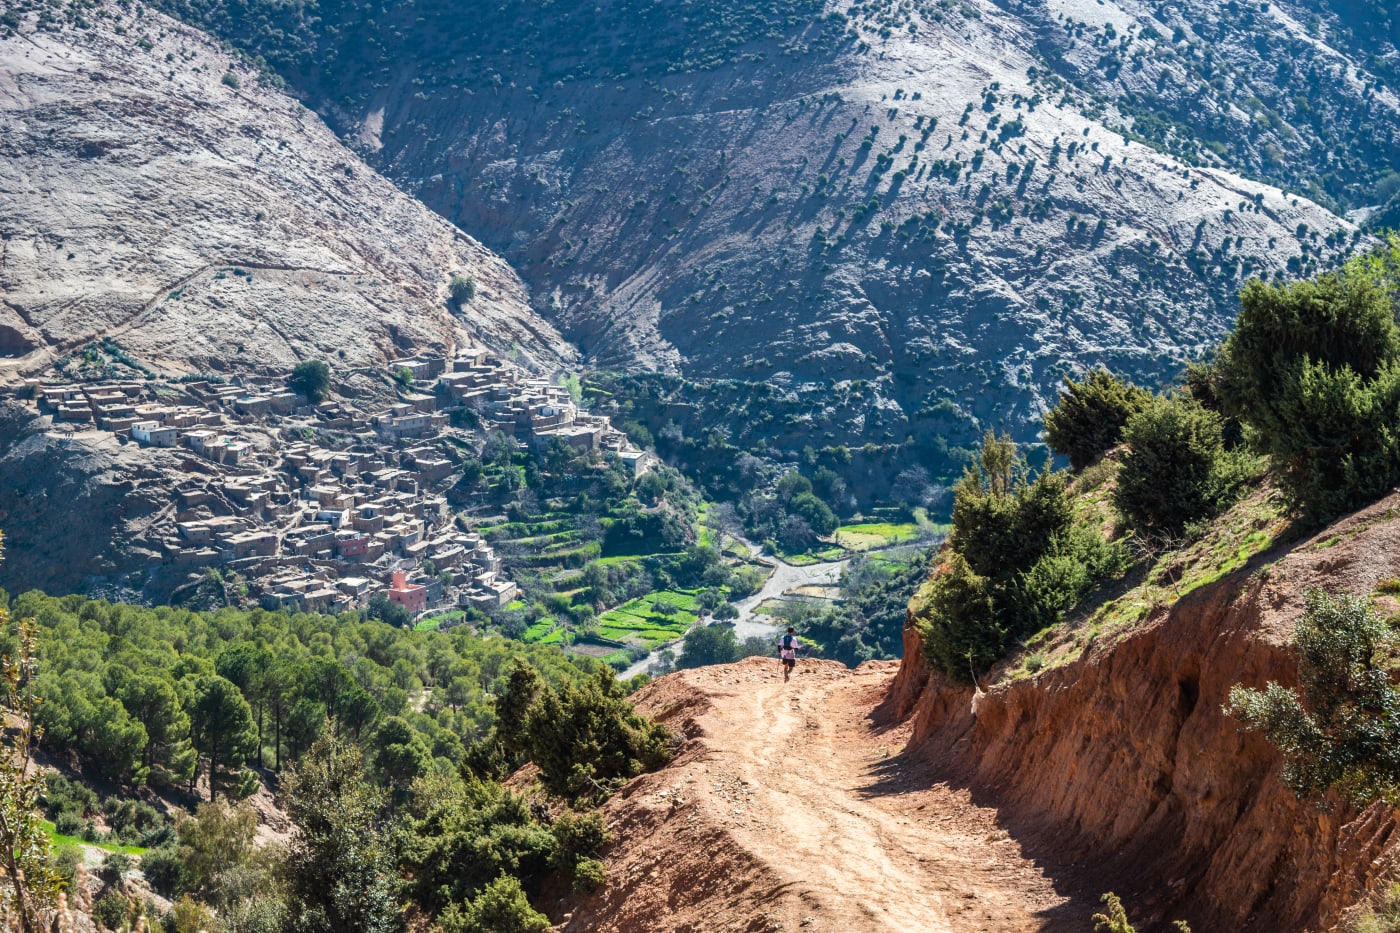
[792, 807]
[881, 799]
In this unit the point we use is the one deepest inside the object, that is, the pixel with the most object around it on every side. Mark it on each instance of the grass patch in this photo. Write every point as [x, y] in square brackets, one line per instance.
[865, 536]
[538, 631]
[57, 839]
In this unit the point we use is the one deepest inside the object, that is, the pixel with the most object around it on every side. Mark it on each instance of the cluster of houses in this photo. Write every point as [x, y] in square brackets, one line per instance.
[321, 507]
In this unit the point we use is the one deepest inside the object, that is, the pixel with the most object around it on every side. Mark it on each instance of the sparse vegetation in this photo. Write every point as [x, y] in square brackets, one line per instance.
[1339, 728]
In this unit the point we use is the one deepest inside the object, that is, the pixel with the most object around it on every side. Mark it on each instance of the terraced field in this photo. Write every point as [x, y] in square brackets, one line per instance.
[651, 620]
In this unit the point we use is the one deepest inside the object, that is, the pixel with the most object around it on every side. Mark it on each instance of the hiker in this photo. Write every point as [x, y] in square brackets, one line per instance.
[787, 652]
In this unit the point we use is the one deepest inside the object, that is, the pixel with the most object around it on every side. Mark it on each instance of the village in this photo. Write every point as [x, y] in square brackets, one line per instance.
[320, 507]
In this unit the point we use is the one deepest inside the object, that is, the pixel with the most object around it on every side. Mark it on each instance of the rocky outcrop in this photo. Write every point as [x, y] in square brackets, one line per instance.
[74, 507]
[155, 193]
[1125, 758]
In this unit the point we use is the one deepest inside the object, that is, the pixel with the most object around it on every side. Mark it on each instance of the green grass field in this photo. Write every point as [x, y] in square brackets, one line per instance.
[642, 621]
[866, 536]
[539, 631]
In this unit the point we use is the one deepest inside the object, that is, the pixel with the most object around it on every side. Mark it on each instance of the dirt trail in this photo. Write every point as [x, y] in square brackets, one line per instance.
[793, 809]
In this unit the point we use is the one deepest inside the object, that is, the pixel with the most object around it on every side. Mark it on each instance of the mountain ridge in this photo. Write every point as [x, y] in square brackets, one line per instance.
[892, 199]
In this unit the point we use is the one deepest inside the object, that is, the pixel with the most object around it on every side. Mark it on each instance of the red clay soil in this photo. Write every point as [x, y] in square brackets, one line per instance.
[792, 808]
[880, 799]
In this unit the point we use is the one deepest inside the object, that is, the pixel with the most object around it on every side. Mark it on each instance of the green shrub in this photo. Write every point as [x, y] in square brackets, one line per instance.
[589, 876]
[462, 288]
[959, 626]
[1339, 729]
[500, 908]
[1176, 470]
[1015, 562]
[164, 869]
[68, 823]
[1116, 920]
[1314, 369]
[66, 860]
[585, 738]
[114, 867]
[1090, 415]
[1001, 522]
[110, 910]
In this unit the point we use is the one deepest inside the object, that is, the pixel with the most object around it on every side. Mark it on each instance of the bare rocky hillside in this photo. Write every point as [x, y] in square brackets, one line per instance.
[155, 195]
[933, 208]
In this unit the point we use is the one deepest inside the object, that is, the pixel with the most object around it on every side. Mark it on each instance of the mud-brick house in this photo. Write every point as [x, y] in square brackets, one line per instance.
[154, 434]
[352, 545]
[411, 596]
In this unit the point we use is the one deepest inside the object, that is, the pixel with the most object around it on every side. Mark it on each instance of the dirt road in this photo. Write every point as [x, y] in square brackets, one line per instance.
[791, 809]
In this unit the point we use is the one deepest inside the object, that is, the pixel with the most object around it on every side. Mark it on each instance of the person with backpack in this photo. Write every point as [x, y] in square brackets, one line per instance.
[787, 652]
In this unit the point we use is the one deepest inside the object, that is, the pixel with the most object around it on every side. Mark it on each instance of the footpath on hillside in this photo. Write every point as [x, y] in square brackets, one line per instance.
[792, 808]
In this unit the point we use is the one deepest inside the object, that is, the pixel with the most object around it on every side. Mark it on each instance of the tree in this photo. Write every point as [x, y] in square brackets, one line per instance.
[709, 644]
[1176, 470]
[585, 737]
[1341, 727]
[246, 667]
[152, 700]
[31, 881]
[221, 728]
[1313, 368]
[215, 846]
[311, 378]
[814, 512]
[400, 754]
[1090, 416]
[340, 870]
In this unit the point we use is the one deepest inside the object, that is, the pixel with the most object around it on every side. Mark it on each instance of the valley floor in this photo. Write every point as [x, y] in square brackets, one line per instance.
[793, 808]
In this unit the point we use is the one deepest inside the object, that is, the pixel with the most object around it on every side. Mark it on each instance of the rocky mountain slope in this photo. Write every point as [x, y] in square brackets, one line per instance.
[935, 207]
[155, 195]
[858, 799]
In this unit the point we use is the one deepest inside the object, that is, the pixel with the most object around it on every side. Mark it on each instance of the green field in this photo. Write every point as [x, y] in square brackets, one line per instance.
[642, 621]
[441, 620]
[865, 536]
[539, 632]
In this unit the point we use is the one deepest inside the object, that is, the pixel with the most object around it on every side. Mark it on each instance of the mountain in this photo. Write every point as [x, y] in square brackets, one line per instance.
[911, 218]
[165, 214]
[156, 198]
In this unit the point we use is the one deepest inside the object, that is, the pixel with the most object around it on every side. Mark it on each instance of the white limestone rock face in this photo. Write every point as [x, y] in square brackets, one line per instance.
[154, 193]
[928, 208]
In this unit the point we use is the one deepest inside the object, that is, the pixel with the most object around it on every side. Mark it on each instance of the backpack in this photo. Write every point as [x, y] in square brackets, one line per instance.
[787, 642]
